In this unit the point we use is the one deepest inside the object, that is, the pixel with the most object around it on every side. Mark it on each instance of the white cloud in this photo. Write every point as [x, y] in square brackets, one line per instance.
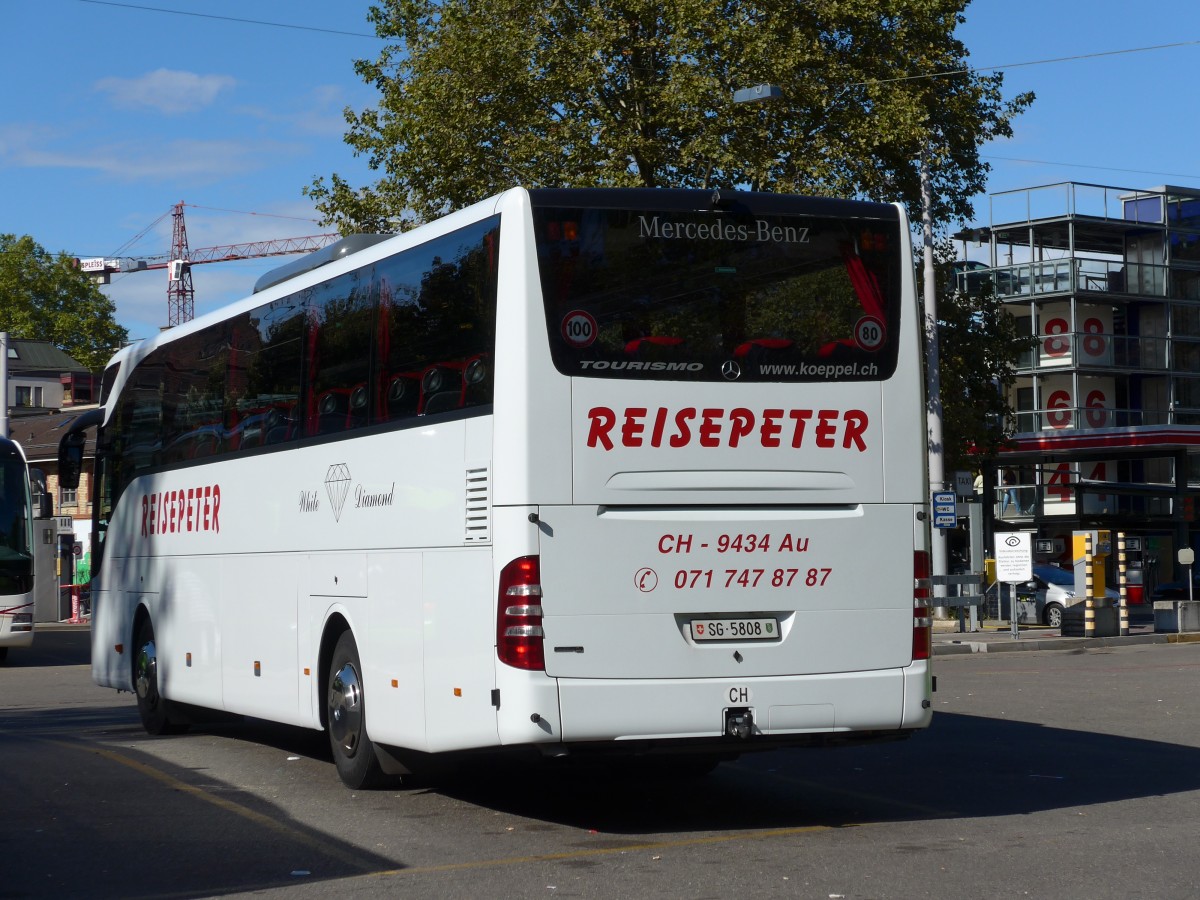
[165, 90]
[199, 160]
[319, 112]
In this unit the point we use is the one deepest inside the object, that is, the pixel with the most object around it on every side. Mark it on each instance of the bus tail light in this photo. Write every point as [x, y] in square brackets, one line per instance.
[922, 623]
[519, 635]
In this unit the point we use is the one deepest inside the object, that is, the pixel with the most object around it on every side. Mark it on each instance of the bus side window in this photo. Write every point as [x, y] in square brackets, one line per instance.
[339, 409]
[441, 388]
[274, 360]
[280, 424]
[477, 380]
[402, 397]
[340, 357]
[437, 324]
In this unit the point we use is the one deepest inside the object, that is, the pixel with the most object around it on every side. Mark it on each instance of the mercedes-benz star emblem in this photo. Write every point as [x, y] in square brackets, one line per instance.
[731, 370]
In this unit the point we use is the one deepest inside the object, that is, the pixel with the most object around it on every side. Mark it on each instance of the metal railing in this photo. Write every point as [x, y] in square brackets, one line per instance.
[1069, 198]
[1099, 349]
[1062, 418]
[1019, 502]
[1071, 275]
[967, 599]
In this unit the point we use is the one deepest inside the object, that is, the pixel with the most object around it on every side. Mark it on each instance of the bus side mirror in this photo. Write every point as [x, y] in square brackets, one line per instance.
[70, 459]
[44, 507]
[70, 448]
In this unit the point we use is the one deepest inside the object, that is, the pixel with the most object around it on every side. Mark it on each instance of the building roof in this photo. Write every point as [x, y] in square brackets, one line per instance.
[40, 356]
[39, 435]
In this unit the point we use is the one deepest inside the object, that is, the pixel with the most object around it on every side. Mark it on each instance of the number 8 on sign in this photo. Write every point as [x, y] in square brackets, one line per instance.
[869, 333]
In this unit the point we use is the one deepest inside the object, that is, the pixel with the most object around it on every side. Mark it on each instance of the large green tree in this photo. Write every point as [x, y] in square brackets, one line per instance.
[44, 296]
[477, 97]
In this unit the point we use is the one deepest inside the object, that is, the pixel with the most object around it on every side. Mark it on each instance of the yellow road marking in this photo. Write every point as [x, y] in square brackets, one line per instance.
[323, 846]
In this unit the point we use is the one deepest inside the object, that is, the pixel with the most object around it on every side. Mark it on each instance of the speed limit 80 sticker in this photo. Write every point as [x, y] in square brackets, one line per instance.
[869, 333]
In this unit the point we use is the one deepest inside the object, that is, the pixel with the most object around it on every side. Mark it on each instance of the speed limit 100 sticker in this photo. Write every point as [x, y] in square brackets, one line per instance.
[869, 333]
[579, 328]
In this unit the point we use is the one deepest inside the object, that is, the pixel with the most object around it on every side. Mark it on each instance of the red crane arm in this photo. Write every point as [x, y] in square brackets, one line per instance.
[249, 250]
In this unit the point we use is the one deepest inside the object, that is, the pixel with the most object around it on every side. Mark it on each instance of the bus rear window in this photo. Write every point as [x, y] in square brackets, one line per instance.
[716, 296]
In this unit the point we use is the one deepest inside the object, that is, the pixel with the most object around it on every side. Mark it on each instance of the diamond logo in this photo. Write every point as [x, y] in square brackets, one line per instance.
[337, 486]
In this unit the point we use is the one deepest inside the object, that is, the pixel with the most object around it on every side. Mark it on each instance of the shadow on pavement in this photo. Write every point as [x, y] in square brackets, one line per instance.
[853, 785]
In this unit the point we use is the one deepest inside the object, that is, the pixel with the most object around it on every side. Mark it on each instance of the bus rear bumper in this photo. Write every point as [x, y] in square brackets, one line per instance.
[16, 631]
[884, 701]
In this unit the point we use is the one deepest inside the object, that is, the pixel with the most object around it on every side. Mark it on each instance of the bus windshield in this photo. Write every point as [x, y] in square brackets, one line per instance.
[16, 556]
[711, 296]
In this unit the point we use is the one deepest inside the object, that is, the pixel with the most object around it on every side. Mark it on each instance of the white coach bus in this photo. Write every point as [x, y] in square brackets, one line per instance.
[633, 471]
[16, 549]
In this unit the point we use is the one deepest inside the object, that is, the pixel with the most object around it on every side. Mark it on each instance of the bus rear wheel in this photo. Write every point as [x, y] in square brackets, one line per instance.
[353, 752]
[156, 711]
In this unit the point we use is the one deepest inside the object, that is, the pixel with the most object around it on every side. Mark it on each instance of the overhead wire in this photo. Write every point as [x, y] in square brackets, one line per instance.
[200, 15]
[247, 212]
[1075, 165]
[1017, 65]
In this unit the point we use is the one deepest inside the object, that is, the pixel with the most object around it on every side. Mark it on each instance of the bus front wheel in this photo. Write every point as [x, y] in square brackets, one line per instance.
[353, 752]
[154, 709]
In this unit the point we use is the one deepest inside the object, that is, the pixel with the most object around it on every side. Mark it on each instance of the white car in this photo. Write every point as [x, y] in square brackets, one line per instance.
[1053, 591]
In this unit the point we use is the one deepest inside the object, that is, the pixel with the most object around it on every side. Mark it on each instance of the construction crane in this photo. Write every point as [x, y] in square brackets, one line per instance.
[179, 262]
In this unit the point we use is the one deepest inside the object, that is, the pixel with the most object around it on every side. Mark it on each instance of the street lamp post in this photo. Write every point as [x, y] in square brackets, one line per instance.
[4, 383]
[933, 385]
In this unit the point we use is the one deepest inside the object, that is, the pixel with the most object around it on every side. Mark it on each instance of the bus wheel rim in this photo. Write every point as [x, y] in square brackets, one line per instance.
[147, 672]
[345, 709]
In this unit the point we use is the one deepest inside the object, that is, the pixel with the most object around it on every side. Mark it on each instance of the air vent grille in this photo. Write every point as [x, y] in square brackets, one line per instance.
[478, 512]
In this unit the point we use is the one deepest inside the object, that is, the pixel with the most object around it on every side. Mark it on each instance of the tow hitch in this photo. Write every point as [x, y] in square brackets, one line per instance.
[739, 723]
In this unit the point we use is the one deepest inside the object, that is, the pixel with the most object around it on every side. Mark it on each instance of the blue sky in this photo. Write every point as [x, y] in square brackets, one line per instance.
[115, 112]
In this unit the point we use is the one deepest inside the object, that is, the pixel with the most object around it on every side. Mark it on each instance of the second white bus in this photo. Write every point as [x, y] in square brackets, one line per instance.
[16, 550]
[571, 471]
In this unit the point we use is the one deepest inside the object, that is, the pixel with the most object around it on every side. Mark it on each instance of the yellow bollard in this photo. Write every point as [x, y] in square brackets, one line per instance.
[1089, 603]
[1121, 584]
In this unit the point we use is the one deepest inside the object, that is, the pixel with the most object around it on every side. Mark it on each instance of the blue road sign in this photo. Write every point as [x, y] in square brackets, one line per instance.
[945, 509]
